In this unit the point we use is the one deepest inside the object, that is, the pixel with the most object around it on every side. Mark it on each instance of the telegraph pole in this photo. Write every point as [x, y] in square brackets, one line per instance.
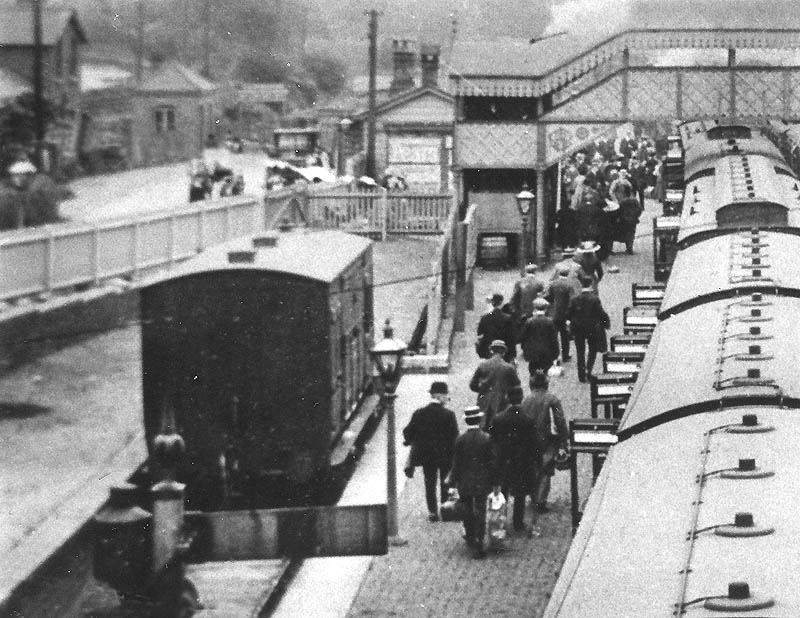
[373, 67]
[206, 38]
[38, 87]
[139, 41]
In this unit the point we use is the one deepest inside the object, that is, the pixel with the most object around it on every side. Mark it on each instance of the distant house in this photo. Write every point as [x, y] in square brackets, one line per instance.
[164, 118]
[174, 109]
[62, 40]
[414, 125]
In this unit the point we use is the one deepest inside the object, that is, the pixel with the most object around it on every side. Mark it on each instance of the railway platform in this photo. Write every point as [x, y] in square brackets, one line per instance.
[434, 575]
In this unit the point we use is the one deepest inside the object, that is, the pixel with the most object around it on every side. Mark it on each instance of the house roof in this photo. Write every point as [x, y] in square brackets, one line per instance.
[406, 97]
[16, 25]
[170, 76]
[12, 85]
[102, 76]
[262, 93]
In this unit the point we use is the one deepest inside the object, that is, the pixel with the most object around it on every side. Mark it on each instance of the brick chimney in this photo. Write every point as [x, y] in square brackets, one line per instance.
[403, 54]
[429, 59]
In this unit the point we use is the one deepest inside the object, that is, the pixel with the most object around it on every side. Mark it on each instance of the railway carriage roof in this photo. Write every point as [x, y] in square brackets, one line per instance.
[631, 547]
[321, 255]
[724, 263]
[703, 357]
[739, 180]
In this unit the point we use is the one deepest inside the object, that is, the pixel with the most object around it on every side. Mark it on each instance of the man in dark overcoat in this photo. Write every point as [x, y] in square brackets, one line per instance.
[492, 380]
[545, 410]
[496, 324]
[588, 322]
[432, 432]
[474, 475]
[539, 338]
[517, 445]
[561, 291]
[630, 210]
[526, 289]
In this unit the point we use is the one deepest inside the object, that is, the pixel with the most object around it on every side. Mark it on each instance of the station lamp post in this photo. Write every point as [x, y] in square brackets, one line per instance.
[21, 174]
[344, 127]
[388, 358]
[524, 202]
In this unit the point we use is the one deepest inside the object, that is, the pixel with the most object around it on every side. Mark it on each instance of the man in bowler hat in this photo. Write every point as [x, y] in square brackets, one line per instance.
[492, 380]
[473, 474]
[496, 324]
[432, 432]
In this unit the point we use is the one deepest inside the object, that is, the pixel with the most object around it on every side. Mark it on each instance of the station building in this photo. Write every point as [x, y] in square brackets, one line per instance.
[523, 106]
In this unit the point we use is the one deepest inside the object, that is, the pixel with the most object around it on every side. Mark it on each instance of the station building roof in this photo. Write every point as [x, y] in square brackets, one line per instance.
[637, 24]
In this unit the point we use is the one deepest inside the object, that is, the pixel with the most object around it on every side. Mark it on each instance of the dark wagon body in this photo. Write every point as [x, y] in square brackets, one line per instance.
[260, 353]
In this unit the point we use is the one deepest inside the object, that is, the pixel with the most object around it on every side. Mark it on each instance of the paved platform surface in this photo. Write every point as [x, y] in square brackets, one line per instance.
[434, 575]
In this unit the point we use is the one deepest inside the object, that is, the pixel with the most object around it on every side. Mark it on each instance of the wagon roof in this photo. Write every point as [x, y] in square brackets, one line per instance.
[725, 263]
[318, 255]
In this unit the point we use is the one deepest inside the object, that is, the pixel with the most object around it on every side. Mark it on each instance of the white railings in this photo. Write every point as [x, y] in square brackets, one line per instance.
[53, 257]
[57, 257]
[379, 212]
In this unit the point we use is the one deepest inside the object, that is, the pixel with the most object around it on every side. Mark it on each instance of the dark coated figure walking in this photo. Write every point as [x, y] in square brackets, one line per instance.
[544, 408]
[492, 380]
[496, 324]
[560, 293]
[588, 322]
[432, 432]
[473, 474]
[518, 454]
[539, 338]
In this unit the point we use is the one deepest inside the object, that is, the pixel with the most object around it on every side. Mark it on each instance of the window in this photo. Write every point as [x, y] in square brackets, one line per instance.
[58, 57]
[73, 54]
[165, 119]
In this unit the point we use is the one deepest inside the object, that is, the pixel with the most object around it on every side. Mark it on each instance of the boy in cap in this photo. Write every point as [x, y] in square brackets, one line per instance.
[492, 380]
[473, 474]
[432, 432]
[496, 324]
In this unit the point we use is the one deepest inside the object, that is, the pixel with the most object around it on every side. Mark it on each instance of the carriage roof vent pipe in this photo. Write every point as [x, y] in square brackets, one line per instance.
[241, 257]
[268, 239]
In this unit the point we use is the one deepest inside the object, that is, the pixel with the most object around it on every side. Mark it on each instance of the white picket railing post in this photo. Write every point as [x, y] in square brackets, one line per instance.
[172, 239]
[135, 249]
[95, 255]
[384, 213]
[50, 261]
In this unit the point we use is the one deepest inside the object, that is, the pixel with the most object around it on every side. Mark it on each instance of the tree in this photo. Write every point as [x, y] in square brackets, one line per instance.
[263, 68]
[18, 127]
[328, 74]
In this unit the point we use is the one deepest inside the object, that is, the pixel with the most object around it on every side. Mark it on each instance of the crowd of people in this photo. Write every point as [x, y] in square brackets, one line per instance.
[603, 191]
[513, 441]
[203, 181]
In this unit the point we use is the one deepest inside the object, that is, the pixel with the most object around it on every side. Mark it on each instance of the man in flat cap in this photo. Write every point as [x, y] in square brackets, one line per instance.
[432, 432]
[496, 324]
[526, 289]
[539, 338]
[561, 291]
[473, 474]
[492, 380]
